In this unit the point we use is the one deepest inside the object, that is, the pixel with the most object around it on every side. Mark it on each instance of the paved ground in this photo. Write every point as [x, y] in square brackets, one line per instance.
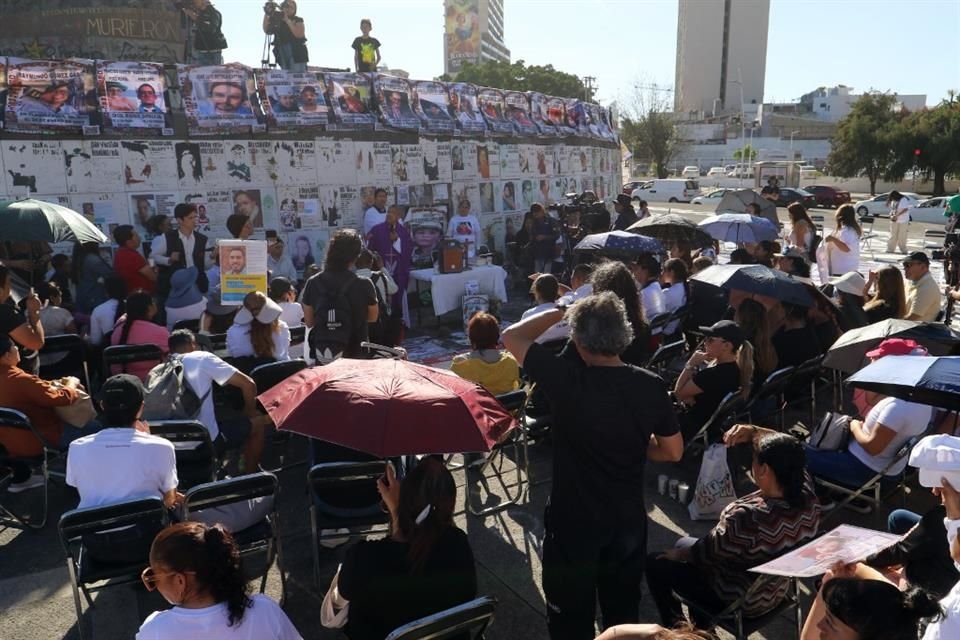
[36, 602]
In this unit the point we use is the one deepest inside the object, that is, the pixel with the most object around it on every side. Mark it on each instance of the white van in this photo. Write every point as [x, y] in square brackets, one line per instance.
[667, 190]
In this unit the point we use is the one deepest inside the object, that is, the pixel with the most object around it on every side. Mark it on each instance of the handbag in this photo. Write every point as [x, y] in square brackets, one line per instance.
[335, 608]
[832, 434]
[80, 412]
[714, 485]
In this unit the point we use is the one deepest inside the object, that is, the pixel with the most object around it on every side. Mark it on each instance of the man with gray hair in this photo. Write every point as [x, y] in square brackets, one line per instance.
[609, 419]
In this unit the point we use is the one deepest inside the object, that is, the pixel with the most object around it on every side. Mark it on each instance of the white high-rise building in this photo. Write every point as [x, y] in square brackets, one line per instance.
[721, 54]
[473, 32]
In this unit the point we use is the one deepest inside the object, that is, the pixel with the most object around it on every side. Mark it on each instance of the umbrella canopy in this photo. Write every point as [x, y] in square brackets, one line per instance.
[388, 408]
[619, 243]
[670, 228]
[737, 201]
[756, 279]
[39, 221]
[848, 353]
[739, 227]
[921, 379]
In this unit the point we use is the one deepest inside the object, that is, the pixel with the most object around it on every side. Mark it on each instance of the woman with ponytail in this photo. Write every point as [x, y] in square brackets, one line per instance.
[425, 566]
[258, 331]
[781, 514]
[196, 568]
[136, 326]
[106, 315]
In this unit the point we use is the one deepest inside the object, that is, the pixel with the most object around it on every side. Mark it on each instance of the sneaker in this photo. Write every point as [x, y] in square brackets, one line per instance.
[34, 481]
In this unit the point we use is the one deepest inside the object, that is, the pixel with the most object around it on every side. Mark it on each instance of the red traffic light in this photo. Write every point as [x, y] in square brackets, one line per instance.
[916, 152]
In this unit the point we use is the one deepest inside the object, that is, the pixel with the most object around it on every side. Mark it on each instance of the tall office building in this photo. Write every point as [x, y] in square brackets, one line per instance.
[721, 54]
[473, 32]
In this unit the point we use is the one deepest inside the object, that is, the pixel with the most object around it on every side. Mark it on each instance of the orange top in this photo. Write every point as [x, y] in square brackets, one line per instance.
[36, 398]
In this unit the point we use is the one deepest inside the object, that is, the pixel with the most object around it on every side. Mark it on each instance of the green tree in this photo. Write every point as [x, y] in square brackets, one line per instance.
[935, 133]
[745, 153]
[649, 130]
[517, 76]
[866, 141]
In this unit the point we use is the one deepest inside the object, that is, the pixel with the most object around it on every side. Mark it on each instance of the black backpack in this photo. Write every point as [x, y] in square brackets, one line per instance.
[378, 328]
[167, 394]
[332, 320]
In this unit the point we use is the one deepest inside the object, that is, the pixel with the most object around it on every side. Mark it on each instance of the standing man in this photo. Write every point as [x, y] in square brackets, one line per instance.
[366, 55]
[392, 241]
[208, 41]
[181, 249]
[129, 263]
[376, 214]
[899, 221]
[544, 239]
[610, 418]
[923, 294]
[289, 39]
[626, 216]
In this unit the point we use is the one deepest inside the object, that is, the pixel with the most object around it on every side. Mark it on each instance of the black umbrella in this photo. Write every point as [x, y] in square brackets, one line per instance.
[619, 244]
[736, 201]
[848, 353]
[32, 220]
[670, 228]
[758, 280]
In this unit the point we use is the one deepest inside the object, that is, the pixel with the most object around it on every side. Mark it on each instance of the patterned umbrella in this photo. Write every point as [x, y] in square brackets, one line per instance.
[671, 228]
[619, 243]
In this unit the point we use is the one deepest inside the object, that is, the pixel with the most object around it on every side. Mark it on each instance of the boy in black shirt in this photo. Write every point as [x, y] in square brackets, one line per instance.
[367, 49]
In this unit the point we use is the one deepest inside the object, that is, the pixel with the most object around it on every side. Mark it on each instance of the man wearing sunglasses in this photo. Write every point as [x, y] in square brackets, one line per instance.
[923, 293]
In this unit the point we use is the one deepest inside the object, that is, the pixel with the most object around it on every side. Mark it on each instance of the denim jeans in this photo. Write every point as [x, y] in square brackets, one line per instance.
[284, 53]
[841, 467]
[901, 520]
[206, 58]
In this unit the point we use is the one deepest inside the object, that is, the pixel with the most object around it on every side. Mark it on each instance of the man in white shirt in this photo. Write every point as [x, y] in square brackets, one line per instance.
[180, 249]
[377, 214]
[465, 227]
[279, 263]
[581, 287]
[201, 370]
[899, 221]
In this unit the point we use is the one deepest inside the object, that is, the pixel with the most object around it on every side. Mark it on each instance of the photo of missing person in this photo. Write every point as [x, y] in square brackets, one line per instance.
[233, 260]
[189, 166]
[248, 203]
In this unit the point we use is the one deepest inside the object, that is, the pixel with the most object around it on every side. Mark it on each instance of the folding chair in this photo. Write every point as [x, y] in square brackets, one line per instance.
[466, 620]
[212, 342]
[818, 221]
[732, 620]
[266, 376]
[729, 407]
[125, 354]
[660, 361]
[15, 420]
[806, 375]
[192, 325]
[872, 489]
[259, 540]
[74, 361]
[934, 238]
[84, 570]
[298, 335]
[515, 441]
[356, 477]
[659, 321]
[867, 234]
[197, 461]
[773, 388]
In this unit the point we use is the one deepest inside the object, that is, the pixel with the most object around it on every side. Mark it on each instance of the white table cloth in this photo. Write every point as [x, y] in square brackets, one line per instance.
[448, 289]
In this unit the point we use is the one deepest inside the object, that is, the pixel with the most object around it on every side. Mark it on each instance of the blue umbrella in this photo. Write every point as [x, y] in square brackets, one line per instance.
[619, 243]
[739, 227]
[929, 380]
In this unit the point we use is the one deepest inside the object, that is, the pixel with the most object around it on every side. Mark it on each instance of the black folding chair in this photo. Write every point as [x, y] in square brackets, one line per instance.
[732, 620]
[212, 342]
[122, 355]
[805, 381]
[298, 335]
[771, 391]
[260, 540]
[660, 361]
[515, 442]
[192, 325]
[658, 322]
[873, 489]
[469, 620]
[196, 457]
[18, 421]
[85, 572]
[74, 361]
[266, 376]
[729, 407]
[344, 477]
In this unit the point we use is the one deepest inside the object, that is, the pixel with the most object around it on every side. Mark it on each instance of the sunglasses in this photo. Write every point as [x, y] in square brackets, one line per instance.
[149, 577]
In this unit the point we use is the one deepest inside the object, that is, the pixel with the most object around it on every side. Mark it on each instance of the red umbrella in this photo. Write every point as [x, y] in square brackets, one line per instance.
[388, 408]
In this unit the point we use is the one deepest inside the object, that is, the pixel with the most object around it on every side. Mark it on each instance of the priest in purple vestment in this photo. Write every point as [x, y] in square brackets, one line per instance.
[393, 242]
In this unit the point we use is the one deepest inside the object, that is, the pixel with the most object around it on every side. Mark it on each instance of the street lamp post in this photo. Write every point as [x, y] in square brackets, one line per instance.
[792, 133]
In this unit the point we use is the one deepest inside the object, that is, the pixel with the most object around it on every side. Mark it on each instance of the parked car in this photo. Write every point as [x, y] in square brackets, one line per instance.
[930, 210]
[741, 172]
[667, 190]
[630, 186]
[828, 196]
[690, 172]
[877, 205]
[788, 196]
[716, 172]
[712, 198]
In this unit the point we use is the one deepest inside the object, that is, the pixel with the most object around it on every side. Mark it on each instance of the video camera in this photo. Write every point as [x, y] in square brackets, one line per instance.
[583, 214]
[272, 8]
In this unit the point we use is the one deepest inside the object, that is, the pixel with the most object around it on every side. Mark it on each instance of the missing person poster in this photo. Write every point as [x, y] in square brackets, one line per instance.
[294, 100]
[465, 108]
[149, 165]
[372, 162]
[539, 113]
[518, 111]
[131, 95]
[243, 268]
[432, 104]
[29, 167]
[216, 99]
[93, 166]
[351, 100]
[494, 111]
[49, 94]
[395, 98]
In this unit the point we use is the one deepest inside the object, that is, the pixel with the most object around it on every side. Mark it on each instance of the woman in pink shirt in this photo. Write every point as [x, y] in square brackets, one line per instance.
[137, 327]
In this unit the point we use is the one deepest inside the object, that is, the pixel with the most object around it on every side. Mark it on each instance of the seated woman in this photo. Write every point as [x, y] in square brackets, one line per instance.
[675, 289]
[258, 331]
[196, 568]
[796, 341]
[185, 302]
[56, 321]
[105, 315]
[136, 326]
[496, 371]
[753, 319]
[425, 566]
[545, 291]
[701, 387]
[848, 294]
[889, 300]
[714, 571]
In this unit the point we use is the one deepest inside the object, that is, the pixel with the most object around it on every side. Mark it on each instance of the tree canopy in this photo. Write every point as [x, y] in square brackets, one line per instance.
[649, 130]
[935, 133]
[517, 76]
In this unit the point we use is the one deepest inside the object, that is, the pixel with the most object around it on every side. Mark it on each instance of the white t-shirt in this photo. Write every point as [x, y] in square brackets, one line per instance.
[532, 311]
[842, 262]
[651, 299]
[202, 369]
[239, 344]
[120, 464]
[561, 330]
[190, 312]
[102, 320]
[908, 419]
[371, 218]
[674, 297]
[948, 627]
[264, 620]
[905, 203]
[292, 313]
[54, 321]
[465, 229]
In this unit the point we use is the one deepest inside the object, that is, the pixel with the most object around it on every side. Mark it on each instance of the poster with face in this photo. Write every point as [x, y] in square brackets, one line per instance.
[293, 100]
[93, 166]
[307, 247]
[529, 193]
[350, 99]
[573, 114]
[284, 161]
[558, 188]
[214, 206]
[33, 167]
[485, 169]
[492, 231]
[465, 108]
[561, 160]
[372, 162]
[350, 207]
[299, 207]
[335, 161]
[528, 159]
[426, 225]
[149, 165]
[596, 124]
[518, 111]
[488, 197]
[106, 210]
[509, 196]
[132, 95]
[217, 99]
[510, 161]
[144, 206]
[432, 104]
[544, 160]
[493, 108]
[557, 115]
[395, 99]
[407, 162]
[463, 160]
[49, 94]
[539, 113]
[259, 205]
[437, 161]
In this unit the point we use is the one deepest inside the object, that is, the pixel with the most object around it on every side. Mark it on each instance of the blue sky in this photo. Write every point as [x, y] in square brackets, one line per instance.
[907, 46]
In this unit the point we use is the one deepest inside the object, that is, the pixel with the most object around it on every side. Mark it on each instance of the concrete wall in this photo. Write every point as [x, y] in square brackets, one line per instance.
[747, 51]
[699, 53]
[711, 155]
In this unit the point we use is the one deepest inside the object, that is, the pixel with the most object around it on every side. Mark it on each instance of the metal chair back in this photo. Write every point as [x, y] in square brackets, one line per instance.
[74, 361]
[466, 620]
[18, 421]
[267, 376]
[196, 456]
[125, 354]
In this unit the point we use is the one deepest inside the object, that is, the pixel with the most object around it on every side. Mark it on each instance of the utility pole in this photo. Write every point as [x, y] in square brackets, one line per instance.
[589, 89]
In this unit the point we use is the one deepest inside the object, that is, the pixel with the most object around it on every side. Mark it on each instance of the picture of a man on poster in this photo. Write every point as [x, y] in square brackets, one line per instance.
[236, 261]
[143, 209]
[284, 100]
[116, 100]
[398, 105]
[52, 99]
[247, 203]
[225, 98]
[308, 100]
[147, 96]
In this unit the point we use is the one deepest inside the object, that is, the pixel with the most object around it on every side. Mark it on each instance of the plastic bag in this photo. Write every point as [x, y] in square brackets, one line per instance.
[714, 485]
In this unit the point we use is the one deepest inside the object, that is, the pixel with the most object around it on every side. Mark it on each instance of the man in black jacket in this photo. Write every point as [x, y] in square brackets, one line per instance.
[208, 41]
[180, 249]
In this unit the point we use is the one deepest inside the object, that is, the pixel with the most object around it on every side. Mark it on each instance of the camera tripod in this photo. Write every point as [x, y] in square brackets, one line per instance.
[267, 52]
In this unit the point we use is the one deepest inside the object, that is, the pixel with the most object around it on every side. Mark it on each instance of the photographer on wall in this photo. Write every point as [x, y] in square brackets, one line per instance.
[208, 43]
[287, 29]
